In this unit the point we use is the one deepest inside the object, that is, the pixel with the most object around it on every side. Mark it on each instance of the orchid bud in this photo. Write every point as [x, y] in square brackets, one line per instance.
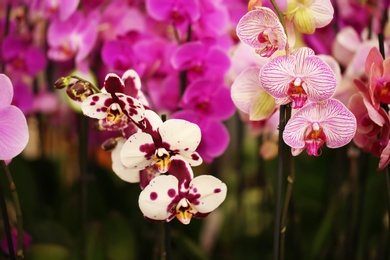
[79, 90]
[61, 83]
[110, 144]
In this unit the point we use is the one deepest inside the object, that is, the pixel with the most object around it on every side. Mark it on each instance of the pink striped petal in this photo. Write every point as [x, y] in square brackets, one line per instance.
[13, 132]
[6, 90]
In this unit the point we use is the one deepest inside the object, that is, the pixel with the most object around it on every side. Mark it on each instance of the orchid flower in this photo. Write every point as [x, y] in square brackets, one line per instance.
[179, 195]
[162, 141]
[250, 97]
[113, 108]
[13, 125]
[262, 30]
[328, 122]
[298, 77]
[307, 15]
[378, 73]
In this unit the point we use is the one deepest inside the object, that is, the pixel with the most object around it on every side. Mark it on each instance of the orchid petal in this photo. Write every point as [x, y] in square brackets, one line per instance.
[132, 81]
[263, 107]
[245, 87]
[13, 132]
[7, 91]
[180, 134]
[322, 12]
[154, 119]
[126, 174]
[319, 78]
[134, 109]
[113, 84]
[255, 22]
[155, 199]
[300, 55]
[181, 170]
[276, 75]
[95, 106]
[384, 158]
[138, 151]
[212, 193]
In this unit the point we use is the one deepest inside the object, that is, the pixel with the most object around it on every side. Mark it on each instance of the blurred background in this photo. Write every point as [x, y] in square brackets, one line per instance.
[75, 207]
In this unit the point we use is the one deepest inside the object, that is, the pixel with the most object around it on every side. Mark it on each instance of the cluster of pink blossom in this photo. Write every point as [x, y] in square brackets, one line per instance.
[330, 106]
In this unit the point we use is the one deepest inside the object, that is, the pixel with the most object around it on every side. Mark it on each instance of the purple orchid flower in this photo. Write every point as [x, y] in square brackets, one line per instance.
[13, 125]
[55, 9]
[178, 12]
[74, 37]
[297, 78]
[328, 122]
[21, 56]
[200, 60]
[208, 98]
[180, 195]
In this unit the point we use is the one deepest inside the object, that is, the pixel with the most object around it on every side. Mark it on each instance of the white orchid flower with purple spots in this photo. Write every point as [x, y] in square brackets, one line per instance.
[114, 109]
[160, 141]
[328, 122]
[181, 196]
[298, 77]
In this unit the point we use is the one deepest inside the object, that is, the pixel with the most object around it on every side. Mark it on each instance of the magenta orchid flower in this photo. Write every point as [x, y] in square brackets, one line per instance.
[328, 122]
[73, 38]
[56, 9]
[299, 77]
[160, 142]
[262, 30]
[181, 196]
[113, 108]
[13, 125]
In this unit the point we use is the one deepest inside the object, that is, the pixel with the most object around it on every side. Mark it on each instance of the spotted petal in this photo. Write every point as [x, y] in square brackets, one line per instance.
[126, 174]
[134, 109]
[157, 198]
[138, 151]
[95, 106]
[114, 84]
[180, 134]
[212, 193]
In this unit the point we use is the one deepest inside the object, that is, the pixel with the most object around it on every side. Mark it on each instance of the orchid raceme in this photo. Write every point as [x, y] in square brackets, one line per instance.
[181, 196]
[307, 15]
[114, 109]
[158, 145]
[328, 122]
[13, 125]
[262, 30]
[250, 97]
[298, 77]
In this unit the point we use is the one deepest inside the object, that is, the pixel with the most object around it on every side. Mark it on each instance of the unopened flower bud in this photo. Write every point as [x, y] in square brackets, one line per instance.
[79, 91]
[109, 144]
[61, 83]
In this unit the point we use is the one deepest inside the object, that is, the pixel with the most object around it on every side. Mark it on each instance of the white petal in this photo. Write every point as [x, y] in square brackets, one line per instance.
[180, 134]
[206, 193]
[153, 119]
[132, 75]
[132, 106]
[126, 174]
[95, 106]
[192, 158]
[322, 12]
[158, 197]
[245, 87]
[137, 152]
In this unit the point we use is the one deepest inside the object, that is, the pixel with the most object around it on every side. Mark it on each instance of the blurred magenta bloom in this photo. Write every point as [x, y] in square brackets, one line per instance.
[178, 12]
[21, 56]
[298, 77]
[14, 234]
[55, 9]
[262, 30]
[180, 195]
[328, 122]
[73, 38]
[13, 125]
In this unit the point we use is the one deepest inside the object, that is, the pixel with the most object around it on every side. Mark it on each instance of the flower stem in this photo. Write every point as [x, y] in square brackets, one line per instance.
[19, 218]
[284, 116]
[95, 89]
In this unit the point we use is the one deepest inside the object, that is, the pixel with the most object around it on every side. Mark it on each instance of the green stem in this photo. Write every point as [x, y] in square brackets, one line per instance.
[281, 19]
[19, 217]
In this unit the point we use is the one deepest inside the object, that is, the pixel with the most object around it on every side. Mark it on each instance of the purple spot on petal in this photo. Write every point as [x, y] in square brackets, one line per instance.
[217, 190]
[108, 102]
[92, 103]
[153, 195]
[186, 149]
[171, 193]
[95, 98]
[195, 189]
[194, 157]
